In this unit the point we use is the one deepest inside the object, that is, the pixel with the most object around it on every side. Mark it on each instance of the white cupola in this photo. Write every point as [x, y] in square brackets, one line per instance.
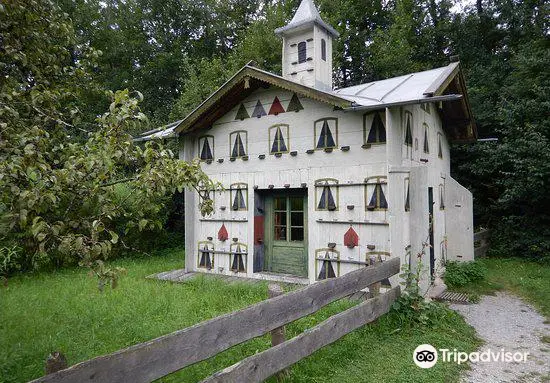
[307, 48]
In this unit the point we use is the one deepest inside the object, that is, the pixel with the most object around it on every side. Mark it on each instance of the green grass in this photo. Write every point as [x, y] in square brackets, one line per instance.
[527, 279]
[64, 311]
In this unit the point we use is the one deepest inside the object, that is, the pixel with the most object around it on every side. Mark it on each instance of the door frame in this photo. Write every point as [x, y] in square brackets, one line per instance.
[269, 227]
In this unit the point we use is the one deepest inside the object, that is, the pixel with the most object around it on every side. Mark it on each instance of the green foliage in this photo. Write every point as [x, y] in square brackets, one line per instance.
[58, 200]
[458, 274]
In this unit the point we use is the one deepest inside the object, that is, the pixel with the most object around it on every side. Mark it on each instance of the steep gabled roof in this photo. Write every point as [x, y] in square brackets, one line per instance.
[444, 86]
[238, 87]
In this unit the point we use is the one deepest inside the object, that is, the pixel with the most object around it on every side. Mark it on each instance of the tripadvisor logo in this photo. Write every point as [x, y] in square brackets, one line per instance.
[425, 356]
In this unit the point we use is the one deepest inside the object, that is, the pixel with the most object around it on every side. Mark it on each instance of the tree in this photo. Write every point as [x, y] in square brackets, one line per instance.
[59, 201]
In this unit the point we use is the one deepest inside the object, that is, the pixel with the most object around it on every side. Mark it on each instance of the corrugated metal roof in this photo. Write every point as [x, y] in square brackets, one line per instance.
[410, 87]
[167, 131]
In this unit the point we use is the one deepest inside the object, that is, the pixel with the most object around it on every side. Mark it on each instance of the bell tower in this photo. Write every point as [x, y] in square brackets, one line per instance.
[307, 48]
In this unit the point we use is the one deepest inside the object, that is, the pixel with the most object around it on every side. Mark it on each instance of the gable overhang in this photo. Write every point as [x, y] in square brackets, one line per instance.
[237, 88]
[456, 115]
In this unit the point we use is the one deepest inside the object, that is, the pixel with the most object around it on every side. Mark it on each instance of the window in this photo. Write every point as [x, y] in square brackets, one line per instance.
[323, 50]
[206, 148]
[205, 254]
[239, 196]
[238, 250]
[278, 139]
[289, 218]
[376, 131]
[324, 136]
[326, 194]
[439, 147]
[302, 52]
[238, 142]
[408, 129]
[426, 141]
[375, 197]
[325, 262]
[441, 197]
[407, 197]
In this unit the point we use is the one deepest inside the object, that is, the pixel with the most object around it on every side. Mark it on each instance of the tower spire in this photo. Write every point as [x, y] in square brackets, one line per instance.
[307, 48]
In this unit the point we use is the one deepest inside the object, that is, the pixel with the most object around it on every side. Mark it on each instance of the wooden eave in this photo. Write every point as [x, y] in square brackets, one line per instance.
[456, 116]
[242, 84]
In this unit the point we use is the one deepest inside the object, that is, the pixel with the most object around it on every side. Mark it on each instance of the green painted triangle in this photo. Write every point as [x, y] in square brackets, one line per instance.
[242, 113]
[294, 105]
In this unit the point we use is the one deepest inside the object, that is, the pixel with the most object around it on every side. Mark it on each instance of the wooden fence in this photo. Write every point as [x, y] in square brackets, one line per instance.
[481, 242]
[154, 359]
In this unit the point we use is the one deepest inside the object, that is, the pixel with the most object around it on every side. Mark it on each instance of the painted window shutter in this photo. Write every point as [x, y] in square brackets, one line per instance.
[238, 263]
[279, 144]
[377, 132]
[205, 258]
[378, 199]
[408, 133]
[426, 143]
[327, 271]
[326, 140]
[238, 201]
[238, 147]
[206, 152]
[327, 199]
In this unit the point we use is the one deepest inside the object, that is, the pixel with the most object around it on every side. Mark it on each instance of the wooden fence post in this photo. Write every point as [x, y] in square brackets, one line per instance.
[278, 334]
[374, 289]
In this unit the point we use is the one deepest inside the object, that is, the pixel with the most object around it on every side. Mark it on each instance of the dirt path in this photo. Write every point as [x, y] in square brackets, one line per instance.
[505, 321]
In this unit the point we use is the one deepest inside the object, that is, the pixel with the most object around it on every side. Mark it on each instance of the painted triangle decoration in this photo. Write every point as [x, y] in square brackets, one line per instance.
[205, 258]
[276, 107]
[351, 239]
[206, 152]
[222, 233]
[238, 147]
[279, 144]
[238, 263]
[378, 199]
[241, 113]
[325, 139]
[259, 110]
[294, 105]
[327, 271]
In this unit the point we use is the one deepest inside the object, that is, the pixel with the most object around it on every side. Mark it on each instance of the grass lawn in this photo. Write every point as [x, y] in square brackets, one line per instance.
[64, 311]
[528, 279]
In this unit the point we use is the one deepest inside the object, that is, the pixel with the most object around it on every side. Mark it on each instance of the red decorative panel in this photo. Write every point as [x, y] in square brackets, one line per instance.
[258, 229]
[222, 234]
[351, 239]
[276, 107]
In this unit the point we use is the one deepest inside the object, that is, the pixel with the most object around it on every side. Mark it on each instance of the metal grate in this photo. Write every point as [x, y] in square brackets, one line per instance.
[449, 296]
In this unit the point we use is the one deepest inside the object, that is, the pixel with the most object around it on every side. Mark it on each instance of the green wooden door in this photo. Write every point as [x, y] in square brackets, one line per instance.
[286, 234]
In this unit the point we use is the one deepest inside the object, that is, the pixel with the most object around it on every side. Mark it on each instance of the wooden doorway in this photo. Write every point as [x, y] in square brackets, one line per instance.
[286, 232]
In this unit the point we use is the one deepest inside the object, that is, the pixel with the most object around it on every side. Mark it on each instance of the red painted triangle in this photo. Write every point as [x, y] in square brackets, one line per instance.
[222, 234]
[351, 239]
[276, 107]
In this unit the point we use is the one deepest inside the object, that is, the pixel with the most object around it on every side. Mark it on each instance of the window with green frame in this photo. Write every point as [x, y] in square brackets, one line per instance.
[326, 133]
[408, 128]
[238, 143]
[376, 131]
[326, 194]
[278, 139]
[239, 196]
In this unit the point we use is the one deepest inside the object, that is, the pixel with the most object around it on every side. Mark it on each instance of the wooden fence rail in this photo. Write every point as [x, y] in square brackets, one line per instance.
[481, 242]
[154, 359]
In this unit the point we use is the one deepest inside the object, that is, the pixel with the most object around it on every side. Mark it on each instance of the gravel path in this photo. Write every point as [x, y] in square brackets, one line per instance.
[505, 321]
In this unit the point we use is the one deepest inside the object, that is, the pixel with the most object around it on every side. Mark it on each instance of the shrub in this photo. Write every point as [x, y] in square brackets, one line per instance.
[458, 274]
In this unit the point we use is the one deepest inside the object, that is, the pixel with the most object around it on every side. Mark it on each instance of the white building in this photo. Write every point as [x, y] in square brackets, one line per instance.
[321, 181]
